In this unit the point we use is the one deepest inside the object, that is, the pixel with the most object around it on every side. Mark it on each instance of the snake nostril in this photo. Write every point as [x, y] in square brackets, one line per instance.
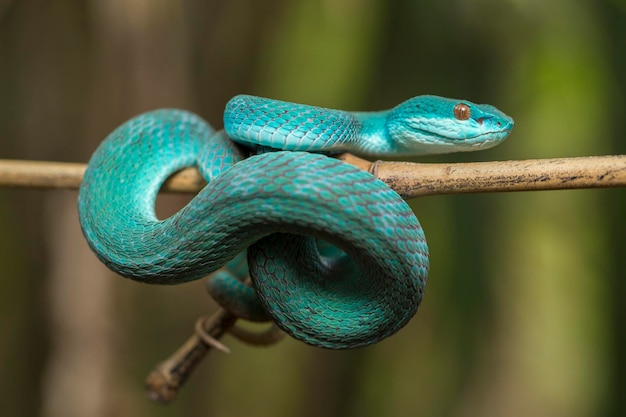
[498, 124]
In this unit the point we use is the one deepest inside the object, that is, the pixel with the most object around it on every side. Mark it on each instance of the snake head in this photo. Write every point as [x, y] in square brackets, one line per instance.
[431, 124]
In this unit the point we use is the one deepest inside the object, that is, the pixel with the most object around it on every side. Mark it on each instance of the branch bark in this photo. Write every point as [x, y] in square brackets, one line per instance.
[408, 179]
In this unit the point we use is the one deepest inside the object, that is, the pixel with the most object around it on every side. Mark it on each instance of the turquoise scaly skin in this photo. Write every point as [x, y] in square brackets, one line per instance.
[281, 206]
[423, 125]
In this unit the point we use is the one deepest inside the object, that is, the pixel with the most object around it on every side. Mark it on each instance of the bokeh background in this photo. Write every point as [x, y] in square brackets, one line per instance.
[524, 313]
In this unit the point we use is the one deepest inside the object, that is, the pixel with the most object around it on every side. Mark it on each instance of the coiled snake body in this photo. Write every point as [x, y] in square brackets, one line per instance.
[281, 206]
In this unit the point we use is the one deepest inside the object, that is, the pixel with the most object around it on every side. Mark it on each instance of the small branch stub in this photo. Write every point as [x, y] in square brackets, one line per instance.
[164, 382]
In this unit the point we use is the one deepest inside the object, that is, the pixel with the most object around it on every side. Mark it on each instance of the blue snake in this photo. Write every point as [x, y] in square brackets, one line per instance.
[336, 258]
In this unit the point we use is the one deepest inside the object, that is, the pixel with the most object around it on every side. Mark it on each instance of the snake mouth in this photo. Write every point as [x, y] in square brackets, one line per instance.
[492, 137]
[497, 134]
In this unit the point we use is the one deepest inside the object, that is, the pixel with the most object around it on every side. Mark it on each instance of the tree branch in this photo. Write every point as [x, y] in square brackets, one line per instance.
[408, 179]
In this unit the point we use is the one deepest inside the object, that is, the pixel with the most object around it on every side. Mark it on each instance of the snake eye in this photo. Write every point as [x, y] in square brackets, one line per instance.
[462, 111]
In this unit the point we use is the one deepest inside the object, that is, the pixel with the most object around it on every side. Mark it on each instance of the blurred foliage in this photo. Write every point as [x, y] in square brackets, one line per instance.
[524, 313]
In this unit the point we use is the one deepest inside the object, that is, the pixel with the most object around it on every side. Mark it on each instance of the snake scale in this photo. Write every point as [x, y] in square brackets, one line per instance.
[337, 259]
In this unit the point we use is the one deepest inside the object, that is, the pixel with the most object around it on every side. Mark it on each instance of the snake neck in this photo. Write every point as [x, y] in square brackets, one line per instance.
[378, 137]
[374, 138]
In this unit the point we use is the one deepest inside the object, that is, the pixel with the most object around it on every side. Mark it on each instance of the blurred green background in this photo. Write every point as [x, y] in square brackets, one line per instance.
[524, 313]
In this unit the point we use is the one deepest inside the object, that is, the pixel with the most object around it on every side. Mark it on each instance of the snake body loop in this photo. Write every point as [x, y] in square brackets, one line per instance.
[284, 207]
